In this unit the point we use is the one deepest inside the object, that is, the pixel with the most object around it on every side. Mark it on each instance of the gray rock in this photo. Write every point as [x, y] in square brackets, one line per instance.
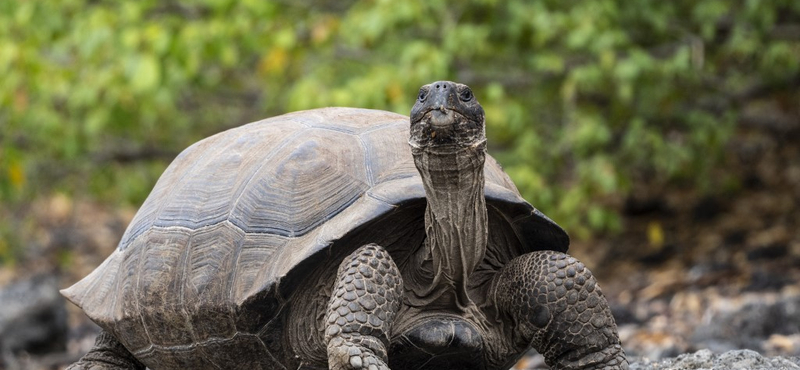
[707, 360]
[750, 325]
[33, 318]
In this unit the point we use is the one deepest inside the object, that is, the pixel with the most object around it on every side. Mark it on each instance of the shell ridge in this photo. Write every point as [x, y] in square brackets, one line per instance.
[367, 160]
[232, 277]
[240, 191]
[183, 280]
[137, 290]
[381, 126]
[335, 129]
[292, 117]
[299, 122]
[115, 303]
[380, 199]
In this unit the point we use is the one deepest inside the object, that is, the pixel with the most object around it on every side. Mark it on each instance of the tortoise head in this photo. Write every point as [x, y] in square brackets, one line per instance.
[446, 117]
[448, 143]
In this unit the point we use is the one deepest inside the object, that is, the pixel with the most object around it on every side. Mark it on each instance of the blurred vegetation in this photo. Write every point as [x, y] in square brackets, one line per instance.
[584, 99]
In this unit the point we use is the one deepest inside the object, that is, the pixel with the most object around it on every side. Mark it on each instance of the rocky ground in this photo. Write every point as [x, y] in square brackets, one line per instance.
[691, 278]
[730, 360]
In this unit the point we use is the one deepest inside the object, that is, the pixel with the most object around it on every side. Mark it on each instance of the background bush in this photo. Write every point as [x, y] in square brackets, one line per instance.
[585, 100]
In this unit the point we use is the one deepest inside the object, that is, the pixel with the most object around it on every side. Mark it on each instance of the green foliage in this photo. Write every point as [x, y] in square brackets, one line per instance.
[583, 99]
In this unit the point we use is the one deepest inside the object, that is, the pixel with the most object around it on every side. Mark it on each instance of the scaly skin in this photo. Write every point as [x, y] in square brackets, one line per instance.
[363, 305]
[107, 354]
[558, 309]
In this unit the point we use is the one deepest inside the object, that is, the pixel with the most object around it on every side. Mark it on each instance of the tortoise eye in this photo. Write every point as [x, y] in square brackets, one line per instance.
[422, 95]
[465, 95]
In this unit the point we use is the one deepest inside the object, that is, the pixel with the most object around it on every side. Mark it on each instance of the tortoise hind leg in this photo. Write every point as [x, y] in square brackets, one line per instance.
[107, 354]
[557, 308]
[363, 305]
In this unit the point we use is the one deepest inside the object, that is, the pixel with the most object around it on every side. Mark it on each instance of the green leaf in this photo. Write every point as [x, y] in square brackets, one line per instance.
[145, 73]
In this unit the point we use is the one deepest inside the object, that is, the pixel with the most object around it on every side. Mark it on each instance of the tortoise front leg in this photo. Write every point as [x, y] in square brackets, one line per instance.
[363, 305]
[557, 308]
[107, 354]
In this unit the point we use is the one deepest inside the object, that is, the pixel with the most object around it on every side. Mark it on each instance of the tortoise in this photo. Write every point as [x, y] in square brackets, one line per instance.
[345, 238]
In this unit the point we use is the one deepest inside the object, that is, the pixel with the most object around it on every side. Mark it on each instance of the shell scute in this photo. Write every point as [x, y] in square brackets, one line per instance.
[387, 165]
[317, 175]
[155, 289]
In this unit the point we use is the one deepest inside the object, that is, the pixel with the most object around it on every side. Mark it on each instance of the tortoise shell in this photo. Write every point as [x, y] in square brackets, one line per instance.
[239, 220]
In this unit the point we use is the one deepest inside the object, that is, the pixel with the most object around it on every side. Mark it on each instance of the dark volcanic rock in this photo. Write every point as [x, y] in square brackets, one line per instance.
[731, 360]
[33, 318]
[750, 325]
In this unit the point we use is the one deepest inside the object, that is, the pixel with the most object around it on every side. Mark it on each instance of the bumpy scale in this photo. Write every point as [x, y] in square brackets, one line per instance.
[559, 310]
[107, 354]
[363, 305]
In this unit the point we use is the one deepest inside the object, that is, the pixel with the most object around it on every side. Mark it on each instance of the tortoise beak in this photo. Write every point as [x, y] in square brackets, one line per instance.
[442, 119]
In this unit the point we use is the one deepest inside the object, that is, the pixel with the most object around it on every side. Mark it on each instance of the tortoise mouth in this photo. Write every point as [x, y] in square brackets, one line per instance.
[441, 118]
[441, 128]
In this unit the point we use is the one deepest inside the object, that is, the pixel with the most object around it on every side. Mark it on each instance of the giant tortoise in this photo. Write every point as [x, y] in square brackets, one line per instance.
[345, 238]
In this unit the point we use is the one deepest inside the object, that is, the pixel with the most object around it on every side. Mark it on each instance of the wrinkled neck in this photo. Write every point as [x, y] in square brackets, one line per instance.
[455, 219]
